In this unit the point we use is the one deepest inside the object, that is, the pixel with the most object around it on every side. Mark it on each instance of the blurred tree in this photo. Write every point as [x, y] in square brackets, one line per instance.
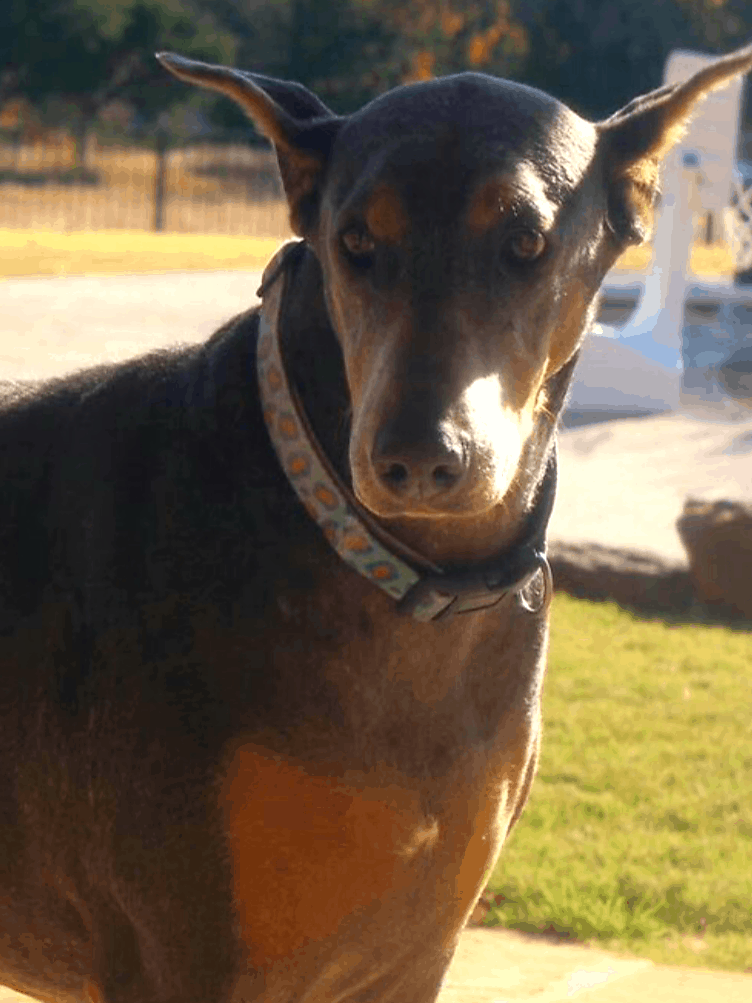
[350, 50]
[434, 37]
[72, 57]
[331, 46]
[597, 54]
[594, 54]
[718, 25]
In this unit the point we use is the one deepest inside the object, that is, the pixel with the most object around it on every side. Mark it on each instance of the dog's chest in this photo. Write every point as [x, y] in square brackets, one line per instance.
[309, 850]
[347, 829]
[328, 871]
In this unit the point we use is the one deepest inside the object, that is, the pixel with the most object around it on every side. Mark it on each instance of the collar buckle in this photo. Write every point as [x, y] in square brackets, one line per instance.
[440, 596]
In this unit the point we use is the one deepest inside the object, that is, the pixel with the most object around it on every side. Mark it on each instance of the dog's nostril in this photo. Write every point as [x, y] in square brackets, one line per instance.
[396, 475]
[417, 467]
[444, 477]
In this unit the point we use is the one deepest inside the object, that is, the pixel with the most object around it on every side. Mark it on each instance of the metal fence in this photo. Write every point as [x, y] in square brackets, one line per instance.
[206, 186]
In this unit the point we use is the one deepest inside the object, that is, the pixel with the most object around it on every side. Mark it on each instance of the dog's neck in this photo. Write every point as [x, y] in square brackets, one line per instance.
[316, 369]
[314, 363]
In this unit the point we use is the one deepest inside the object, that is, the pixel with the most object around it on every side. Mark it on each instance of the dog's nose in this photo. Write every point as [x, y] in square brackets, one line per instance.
[417, 467]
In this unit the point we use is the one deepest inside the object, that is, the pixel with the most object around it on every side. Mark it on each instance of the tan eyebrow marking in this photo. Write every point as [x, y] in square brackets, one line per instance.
[385, 214]
[489, 203]
[501, 195]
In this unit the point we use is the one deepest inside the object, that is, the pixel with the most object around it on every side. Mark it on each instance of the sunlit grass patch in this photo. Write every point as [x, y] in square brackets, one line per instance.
[639, 828]
[706, 259]
[55, 252]
[713, 259]
[52, 252]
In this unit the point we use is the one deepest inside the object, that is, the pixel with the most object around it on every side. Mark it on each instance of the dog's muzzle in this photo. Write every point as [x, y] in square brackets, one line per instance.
[421, 589]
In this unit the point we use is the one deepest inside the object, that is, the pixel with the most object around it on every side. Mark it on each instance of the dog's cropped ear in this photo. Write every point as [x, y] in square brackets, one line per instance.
[638, 137]
[300, 126]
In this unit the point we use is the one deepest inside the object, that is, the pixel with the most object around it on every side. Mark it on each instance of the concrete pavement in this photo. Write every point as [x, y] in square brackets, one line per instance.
[49, 326]
[501, 966]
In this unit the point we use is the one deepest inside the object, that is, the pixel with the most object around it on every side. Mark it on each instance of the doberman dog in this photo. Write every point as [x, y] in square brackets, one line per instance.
[274, 608]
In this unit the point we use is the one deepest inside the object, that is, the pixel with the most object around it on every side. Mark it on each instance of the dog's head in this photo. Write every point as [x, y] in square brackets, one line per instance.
[463, 227]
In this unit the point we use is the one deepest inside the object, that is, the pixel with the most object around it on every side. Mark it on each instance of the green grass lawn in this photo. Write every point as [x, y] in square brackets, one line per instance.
[638, 833]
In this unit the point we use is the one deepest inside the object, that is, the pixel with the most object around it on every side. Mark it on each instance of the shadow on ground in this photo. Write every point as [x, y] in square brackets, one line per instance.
[640, 583]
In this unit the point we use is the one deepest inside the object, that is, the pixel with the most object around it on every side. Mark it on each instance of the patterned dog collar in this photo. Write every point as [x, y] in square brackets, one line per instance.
[425, 594]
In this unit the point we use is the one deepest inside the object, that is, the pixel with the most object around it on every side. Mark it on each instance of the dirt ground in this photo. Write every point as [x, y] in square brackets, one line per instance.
[622, 484]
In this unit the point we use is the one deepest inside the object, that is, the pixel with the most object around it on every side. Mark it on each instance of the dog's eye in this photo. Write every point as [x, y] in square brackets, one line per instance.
[526, 245]
[358, 244]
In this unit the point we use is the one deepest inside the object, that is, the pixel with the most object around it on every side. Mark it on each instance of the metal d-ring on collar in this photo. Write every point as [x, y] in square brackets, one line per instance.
[421, 589]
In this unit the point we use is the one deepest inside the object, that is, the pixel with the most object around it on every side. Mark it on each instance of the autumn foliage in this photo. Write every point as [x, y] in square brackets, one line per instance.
[444, 36]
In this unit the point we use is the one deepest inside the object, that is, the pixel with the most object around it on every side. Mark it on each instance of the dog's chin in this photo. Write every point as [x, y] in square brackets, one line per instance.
[464, 505]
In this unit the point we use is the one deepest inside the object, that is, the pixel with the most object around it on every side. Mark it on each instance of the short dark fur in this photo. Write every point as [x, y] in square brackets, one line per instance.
[164, 598]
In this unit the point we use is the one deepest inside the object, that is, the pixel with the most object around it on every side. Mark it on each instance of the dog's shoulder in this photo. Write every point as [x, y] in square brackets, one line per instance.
[186, 388]
[150, 472]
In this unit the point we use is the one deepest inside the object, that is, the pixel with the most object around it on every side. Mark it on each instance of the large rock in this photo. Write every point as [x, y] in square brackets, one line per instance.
[718, 540]
[638, 581]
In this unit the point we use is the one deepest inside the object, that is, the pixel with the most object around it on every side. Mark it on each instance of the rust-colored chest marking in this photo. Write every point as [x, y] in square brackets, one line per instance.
[309, 851]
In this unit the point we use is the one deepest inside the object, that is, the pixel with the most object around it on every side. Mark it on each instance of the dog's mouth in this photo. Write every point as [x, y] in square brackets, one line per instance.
[464, 505]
